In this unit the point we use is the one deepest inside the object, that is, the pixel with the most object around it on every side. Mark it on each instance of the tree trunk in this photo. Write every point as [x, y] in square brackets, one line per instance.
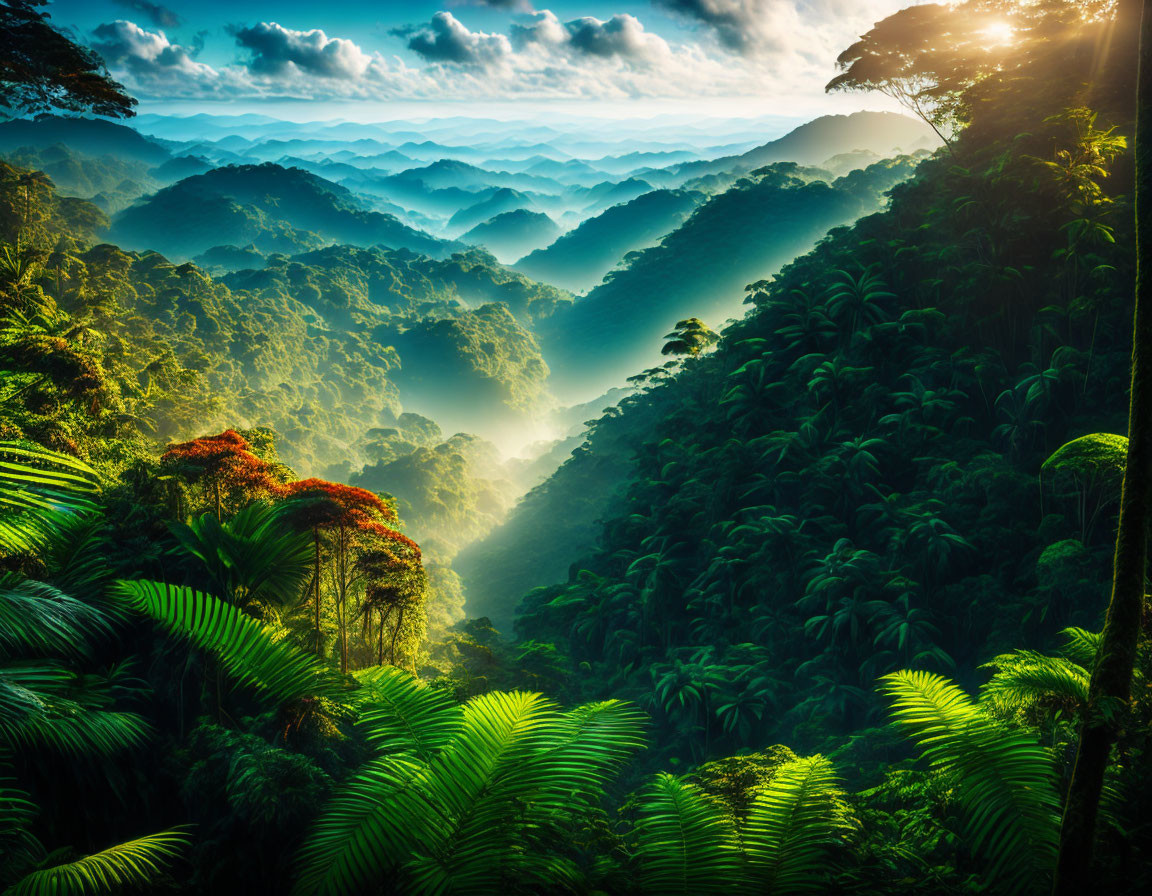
[319, 640]
[342, 598]
[1112, 675]
[395, 635]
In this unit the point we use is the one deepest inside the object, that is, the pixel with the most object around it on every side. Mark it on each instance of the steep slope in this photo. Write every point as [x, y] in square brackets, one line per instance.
[580, 258]
[276, 209]
[92, 137]
[501, 201]
[848, 483]
[738, 236]
[110, 182]
[514, 234]
[884, 133]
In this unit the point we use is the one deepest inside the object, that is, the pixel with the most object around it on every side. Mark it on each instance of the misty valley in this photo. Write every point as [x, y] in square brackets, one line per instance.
[676, 447]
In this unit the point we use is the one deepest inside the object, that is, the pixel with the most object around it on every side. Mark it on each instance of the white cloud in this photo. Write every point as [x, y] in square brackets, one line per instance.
[276, 52]
[149, 56]
[445, 39]
[739, 48]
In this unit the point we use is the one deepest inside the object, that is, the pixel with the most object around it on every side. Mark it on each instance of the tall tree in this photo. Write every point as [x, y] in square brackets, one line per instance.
[1112, 675]
[351, 518]
[224, 466]
[41, 69]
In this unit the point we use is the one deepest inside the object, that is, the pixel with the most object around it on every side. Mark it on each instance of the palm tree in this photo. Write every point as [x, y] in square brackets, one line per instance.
[253, 560]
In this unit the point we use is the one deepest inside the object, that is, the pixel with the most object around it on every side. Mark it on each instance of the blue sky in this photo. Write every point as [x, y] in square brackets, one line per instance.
[325, 58]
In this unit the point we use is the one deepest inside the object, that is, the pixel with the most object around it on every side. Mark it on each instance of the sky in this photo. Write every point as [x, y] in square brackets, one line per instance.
[335, 58]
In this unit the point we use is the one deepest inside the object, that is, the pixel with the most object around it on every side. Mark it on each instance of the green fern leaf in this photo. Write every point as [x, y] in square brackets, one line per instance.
[685, 841]
[249, 651]
[136, 863]
[791, 826]
[1003, 779]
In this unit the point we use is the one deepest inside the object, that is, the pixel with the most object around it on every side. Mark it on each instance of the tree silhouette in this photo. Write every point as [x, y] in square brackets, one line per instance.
[690, 337]
[41, 69]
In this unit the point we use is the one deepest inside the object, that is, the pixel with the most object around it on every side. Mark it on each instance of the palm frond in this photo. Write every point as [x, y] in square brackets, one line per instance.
[401, 715]
[1003, 779]
[685, 842]
[39, 488]
[41, 620]
[249, 651]
[791, 826]
[18, 845]
[47, 706]
[470, 819]
[252, 558]
[78, 559]
[136, 863]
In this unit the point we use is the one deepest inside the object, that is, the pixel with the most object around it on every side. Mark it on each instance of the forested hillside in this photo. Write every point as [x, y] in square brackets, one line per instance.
[740, 234]
[580, 258]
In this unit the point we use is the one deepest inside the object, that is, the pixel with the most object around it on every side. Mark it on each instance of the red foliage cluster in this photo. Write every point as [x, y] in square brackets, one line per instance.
[225, 459]
[317, 502]
[391, 535]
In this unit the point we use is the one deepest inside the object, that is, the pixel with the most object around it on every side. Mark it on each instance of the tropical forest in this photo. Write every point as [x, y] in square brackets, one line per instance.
[602, 448]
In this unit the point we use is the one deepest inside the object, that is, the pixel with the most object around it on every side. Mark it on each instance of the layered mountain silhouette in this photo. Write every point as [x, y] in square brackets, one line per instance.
[580, 258]
[512, 235]
[273, 208]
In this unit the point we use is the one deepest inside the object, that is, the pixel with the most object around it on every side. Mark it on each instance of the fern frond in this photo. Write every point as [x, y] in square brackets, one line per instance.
[249, 651]
[136, 863]
[466, 820]
[1026, 680]
[1003, 779]
[1081, 646]
[685, 841]
[791, 826]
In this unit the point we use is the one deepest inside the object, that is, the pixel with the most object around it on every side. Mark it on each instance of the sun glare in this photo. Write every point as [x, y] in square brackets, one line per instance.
[997, 34]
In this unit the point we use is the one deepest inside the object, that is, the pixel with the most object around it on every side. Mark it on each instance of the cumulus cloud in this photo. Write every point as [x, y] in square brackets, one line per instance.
[622, 37]
[148, 55]
[763, 28]
[784, 47]
[276, 51]
[160, 16]
[446, 39]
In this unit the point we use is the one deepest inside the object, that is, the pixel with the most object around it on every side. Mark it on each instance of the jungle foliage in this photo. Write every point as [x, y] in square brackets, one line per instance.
[836, 632]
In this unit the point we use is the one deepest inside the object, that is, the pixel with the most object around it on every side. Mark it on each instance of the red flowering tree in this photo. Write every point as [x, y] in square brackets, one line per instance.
[347, 519]
[223, 465]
